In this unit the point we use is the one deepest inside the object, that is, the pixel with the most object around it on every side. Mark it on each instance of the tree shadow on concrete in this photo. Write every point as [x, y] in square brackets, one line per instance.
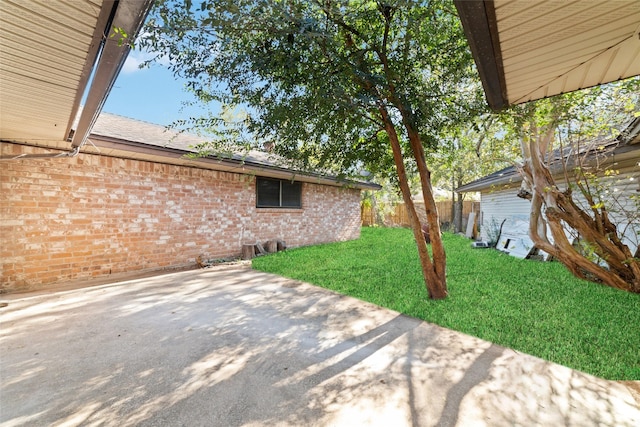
[238, 347]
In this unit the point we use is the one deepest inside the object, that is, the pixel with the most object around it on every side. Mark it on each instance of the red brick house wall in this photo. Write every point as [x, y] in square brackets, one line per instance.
[92, 216]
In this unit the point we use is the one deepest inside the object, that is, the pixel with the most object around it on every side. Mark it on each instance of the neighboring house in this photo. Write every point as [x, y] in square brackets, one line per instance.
[526, 51]
[500, 205]
[131, 202]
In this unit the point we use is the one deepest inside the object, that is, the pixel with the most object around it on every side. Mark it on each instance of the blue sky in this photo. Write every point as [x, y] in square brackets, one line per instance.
[150, 94]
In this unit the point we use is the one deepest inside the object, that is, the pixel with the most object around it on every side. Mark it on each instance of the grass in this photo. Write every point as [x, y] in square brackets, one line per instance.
[533, 307]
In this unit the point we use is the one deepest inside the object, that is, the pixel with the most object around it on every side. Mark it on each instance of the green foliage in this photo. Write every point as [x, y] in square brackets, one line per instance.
[122, 36]
[590, 114]
[532, 307]
[312, 74]
[472, 150]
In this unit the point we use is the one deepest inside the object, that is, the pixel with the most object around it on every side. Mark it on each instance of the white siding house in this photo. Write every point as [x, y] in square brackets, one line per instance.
[500, 204]
[503, 209]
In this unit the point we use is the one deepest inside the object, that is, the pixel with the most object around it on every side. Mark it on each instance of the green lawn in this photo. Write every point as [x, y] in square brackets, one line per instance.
[533, 307]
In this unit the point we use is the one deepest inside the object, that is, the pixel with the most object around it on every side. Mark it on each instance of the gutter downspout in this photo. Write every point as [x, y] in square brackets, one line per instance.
[129, 15]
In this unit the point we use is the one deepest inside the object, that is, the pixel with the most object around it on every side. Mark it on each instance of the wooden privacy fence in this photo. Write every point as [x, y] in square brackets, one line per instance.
[368, 216]
[445, 210]
[399, 217]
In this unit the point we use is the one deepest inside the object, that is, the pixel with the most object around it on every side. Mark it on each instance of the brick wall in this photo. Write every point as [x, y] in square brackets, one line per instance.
[93, 216]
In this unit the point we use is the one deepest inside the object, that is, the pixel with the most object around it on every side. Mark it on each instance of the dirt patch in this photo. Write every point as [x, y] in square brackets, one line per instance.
[634, 388]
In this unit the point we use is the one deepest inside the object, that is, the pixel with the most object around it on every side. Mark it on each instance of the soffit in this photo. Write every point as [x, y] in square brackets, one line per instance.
[544, 48]
[47, 51]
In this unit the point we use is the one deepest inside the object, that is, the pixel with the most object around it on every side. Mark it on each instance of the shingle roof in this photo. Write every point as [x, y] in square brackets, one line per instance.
[127, 132]
[627, 140]
[124, 128]
[504, 176]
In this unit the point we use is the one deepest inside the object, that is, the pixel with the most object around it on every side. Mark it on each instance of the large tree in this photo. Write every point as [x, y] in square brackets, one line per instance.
[569, 175]
[329, 84]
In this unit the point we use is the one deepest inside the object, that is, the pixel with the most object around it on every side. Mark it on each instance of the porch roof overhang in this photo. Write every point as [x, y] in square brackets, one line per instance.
[527, 50]
[55, 55]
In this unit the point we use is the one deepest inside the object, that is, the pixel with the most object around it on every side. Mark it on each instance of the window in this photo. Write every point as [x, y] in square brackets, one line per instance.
[278, 193]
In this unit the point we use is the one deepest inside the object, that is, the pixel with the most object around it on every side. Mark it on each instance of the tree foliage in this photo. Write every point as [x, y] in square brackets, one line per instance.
[468, 152]
[332, 85]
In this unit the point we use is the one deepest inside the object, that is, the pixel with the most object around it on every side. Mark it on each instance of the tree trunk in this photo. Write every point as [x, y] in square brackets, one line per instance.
[454, 224]
[437, 247]
[459, 209]
[456, 204]
[598, 232]
[433, 272]
[458, 214]
[378, 217]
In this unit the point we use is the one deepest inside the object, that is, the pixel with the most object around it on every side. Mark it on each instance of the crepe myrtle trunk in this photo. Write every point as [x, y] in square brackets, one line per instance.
[437, 248]
[433, 271]
[597, 231]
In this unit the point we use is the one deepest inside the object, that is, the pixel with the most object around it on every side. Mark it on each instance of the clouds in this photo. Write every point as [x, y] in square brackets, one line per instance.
[132, 64]
[137, 57]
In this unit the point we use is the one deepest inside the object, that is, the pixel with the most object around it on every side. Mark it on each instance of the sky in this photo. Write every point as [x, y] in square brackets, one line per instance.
[151, 94]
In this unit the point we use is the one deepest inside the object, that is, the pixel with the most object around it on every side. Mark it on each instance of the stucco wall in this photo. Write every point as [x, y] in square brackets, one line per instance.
[93, 216]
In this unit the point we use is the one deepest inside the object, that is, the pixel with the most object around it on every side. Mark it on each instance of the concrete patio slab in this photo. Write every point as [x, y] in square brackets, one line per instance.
[237, 347]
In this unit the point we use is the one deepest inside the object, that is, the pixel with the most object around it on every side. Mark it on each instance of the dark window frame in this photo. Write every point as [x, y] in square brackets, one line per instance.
[283, 186]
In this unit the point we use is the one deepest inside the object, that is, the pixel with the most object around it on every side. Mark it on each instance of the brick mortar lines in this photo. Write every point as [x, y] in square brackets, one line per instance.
[100, 215]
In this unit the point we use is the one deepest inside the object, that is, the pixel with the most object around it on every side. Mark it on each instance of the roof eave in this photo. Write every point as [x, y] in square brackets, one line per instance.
[623, 154]
[178, 156]
[631, 135]
[104, 18]
[481, 184]
[129, 16]
[479, 23]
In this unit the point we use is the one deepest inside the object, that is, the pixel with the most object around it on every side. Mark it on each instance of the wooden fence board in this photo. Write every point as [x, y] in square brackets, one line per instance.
[399, 217]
